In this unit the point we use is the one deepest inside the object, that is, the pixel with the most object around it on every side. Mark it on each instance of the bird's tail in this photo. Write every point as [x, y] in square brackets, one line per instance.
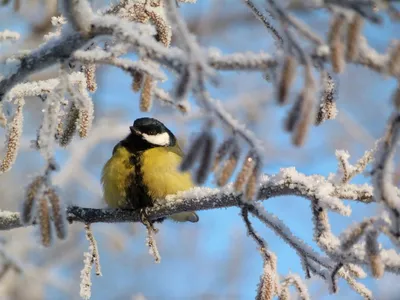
[189, 216]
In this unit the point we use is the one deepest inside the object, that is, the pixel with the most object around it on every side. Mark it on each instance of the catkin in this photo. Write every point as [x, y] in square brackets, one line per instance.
[69, 129]
[394, 60]
[206, 159]
[293, 115]
[284, 295]
[396, 97]
[353, 37]
[245, 172]
[373, 254]
[85, 120]
[44, 222]
[306, 109]
[162, 28]
[147, 94]
[3, 119]
[229, 166]
[137, 81]
[327, 109]
[337, 47]
[90, 74]
[223, 151]
[337, 56]
[13, 138]
[182, 86]
[58, 214]
[28, 205]
[251, 186]
[287, 77]
[193, 153]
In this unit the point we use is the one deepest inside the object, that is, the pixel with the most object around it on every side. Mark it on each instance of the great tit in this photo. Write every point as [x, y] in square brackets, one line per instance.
[144, 169]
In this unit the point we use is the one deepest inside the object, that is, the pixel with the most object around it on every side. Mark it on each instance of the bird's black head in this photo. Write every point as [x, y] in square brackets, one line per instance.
[149, 132]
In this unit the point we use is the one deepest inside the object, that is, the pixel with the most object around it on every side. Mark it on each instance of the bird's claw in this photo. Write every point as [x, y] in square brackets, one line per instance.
[145, 220]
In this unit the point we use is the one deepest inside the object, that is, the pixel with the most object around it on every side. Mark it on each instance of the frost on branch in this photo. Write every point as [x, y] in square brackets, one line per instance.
[90, 258]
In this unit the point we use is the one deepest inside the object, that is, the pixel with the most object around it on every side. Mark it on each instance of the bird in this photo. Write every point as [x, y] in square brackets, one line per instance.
[144, 169]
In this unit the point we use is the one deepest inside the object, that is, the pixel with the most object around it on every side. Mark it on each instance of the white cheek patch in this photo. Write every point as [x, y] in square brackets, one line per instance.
[161, 139]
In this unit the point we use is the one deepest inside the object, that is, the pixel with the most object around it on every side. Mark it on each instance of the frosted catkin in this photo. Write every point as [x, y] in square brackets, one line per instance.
[44, 222]
[182, 86]
[396, 97]
[353, 236]
[223, 151]
[69, 129]
[306, 110]
[245, 172]
[57, 213]
[14, 132]
[285, 294]
[162, 28]
[251, 186]
[3, 119]
[327, 109]
[85, 119]
[229, 166]
[206, 159]
[373, 254]
[147, 94]
[90, 74]
[193, 153]
[337, 47]
[28, 206]
[287, 78]
[353, 37]
[294, 114]
[394, 60]
[137, 81]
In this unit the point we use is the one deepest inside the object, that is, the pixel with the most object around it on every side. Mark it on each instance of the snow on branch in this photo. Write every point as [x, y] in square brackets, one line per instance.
[316, 188]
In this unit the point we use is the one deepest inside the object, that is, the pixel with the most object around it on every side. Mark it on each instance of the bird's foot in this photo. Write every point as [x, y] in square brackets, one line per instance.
[145, 220]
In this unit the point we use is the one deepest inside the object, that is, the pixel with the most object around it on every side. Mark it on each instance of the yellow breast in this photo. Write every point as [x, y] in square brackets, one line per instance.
[115, 177]
[161, 175]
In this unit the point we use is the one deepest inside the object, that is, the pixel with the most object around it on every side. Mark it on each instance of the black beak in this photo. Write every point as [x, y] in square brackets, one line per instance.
[134, 131]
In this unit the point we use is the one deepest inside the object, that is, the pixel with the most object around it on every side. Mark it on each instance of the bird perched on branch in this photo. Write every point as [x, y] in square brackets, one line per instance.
[144, 169]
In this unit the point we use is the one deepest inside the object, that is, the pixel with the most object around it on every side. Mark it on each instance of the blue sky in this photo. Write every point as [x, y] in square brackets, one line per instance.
[187, 270]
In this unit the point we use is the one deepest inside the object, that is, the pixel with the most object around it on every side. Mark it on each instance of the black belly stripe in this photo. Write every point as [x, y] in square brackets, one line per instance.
[136, 190]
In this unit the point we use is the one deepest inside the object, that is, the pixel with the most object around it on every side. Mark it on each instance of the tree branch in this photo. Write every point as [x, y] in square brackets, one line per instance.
[286, 182]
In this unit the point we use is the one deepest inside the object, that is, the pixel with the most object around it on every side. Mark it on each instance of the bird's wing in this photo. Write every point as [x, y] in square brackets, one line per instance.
[177, 150]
